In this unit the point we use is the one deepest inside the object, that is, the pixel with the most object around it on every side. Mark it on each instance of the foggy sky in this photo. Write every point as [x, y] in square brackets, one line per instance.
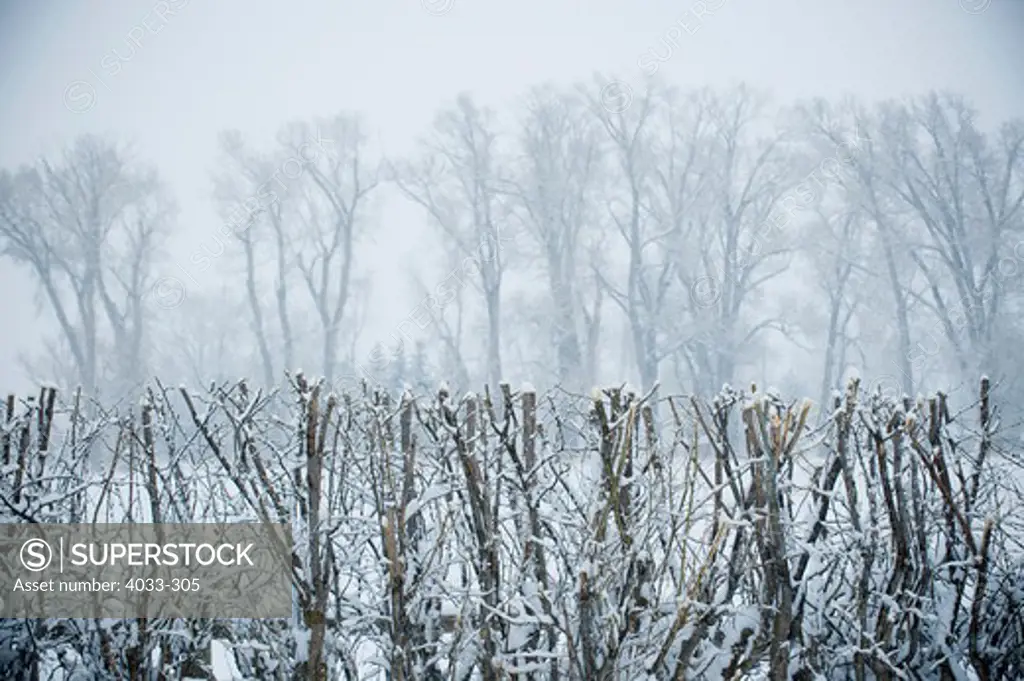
[255, 66]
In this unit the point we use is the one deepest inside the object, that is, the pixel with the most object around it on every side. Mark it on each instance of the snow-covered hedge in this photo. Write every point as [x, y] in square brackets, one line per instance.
[611, 536]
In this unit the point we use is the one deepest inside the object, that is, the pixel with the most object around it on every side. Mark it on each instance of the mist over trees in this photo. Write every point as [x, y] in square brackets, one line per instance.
[656, 268]
[594, 233]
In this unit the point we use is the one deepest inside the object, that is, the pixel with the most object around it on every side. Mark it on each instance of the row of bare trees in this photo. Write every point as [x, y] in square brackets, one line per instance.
[938, 202]
[544, 536]
[696, 213]
[673, 235]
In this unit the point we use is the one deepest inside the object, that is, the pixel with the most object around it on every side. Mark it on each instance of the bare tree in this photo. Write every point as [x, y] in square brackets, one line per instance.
[835, 249]
[555, 194]
[90, 226]
[302, 208]
[967, 192]
[643, 298]
[461, 182]
[252, 206]
[741, 234]
[332, 213]
[702, 187]
[863, 188]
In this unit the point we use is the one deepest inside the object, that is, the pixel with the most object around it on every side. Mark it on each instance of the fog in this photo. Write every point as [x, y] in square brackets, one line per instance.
[195, 72]
[681, 199]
